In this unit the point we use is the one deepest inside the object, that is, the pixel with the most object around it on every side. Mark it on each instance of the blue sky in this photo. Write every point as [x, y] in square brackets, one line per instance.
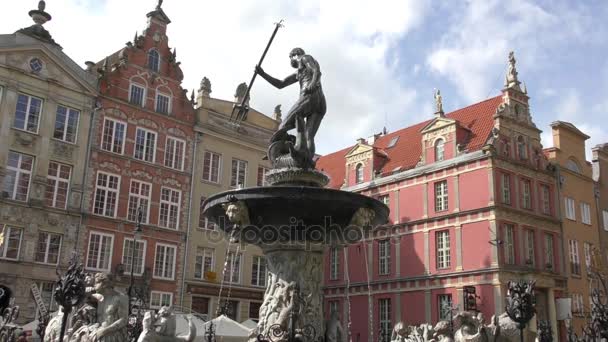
[381, 59]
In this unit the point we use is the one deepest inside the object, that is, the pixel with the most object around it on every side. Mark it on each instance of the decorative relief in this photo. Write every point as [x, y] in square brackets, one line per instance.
[177, 132]
[171, 181]
[142, 174]
[24, 139]
[147, 123]
[62, 150]
[115, 112]
[359, 157]
[109, 166]
[441, 130]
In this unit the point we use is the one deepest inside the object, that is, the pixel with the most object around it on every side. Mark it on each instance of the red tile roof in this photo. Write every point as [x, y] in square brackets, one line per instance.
[405, 154]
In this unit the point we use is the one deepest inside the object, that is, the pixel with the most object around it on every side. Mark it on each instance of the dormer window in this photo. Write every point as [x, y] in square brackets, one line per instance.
[359, 173]
[521, 148]
[439, 150]
[393, 142]
[154, 60]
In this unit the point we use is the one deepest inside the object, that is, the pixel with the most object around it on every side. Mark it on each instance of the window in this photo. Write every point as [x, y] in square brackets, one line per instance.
[545, 194]
[27, 113]
[18, 176]
[573, 166]
[441, 196]
[384, 312]
[137, 260]
[506, 148]
[526, 201]
[575, 263]
[48, 247]
[549, 256]
[66, 124]
[442, 240]
[262, 175]
[164, 261]
[577, 303]
[570, 209]
[211, 167]
[153, 60]
[175, 150]
[254, 311]
[106, 194]
[57, 185]
[522, 153]
[444, 304]
[509, 244]
[605, 219]
[385, 199]
[169, 208]
[334, 263]
[587, 247]
[393, 142]
[258, 271]
[530, 257]
[145, 145]
[113, 138]
[204, 263]
[439, 150]
[239, 169]
[359, 173]
[10, 243]
[230, 308]
[100, 251]
[163, 103]
[137, 95]
[384, 257]
[47, 292]
[160, 299]
[333, 306]
[506, 188]
[232, 273]
[585, 213]
[139, 197]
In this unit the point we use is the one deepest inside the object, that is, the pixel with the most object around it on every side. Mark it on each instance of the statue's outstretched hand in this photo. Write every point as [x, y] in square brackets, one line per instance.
[259, 70]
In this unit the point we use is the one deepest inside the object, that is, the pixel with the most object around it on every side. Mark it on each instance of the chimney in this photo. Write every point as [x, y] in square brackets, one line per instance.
[89, 65]
[361, 141]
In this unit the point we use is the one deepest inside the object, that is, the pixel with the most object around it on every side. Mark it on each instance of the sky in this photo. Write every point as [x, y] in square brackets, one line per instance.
[381, 60]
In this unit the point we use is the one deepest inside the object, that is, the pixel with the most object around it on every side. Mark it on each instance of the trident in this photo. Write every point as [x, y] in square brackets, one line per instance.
[239, 111]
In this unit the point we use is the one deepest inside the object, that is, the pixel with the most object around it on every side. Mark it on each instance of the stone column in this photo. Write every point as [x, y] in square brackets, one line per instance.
[295, 279]
[552, 313]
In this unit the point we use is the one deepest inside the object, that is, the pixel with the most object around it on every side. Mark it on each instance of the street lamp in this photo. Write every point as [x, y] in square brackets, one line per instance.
[137, 233]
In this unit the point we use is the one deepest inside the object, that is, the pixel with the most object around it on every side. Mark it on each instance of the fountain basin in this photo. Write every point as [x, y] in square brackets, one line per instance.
[277, 215]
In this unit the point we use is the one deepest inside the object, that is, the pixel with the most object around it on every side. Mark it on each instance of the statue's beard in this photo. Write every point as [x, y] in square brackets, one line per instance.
[294, 63]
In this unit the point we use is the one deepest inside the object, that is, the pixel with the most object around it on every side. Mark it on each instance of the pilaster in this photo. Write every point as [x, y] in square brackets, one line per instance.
[458, 232]
[427, 254]
[456, 193]
[425, 198]
[427, 306]
[495, 235]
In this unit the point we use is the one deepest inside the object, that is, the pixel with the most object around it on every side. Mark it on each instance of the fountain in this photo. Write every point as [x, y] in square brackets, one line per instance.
[295, 218]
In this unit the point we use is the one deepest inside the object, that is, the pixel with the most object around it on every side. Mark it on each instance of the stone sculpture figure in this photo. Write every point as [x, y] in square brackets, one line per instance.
[438, 102]
[165, 322]
[333, 328]
[305, 115]
[149, 333]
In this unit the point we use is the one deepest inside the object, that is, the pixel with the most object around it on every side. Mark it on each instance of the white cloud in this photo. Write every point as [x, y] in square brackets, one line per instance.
[224, 39]
[473, 53]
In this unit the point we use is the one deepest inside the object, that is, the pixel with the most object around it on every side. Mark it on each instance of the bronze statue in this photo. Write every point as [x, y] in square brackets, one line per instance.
[305, 115]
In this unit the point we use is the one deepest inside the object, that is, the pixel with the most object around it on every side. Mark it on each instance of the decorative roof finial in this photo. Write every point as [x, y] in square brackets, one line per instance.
[511, 80]
[41, 5]
[159, 5]
[438, 104]
[205, 87]
[192, 97]
[39, 16]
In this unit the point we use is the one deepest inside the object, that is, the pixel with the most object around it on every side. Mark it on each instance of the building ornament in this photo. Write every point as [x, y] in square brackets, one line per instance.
[173, 182]
[353, 159]
[109, 166]
[177, 132]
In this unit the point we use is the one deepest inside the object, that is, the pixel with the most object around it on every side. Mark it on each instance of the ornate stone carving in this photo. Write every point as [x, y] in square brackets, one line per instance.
[438, 103]
[205, 87]
[177, 132]
[165, 321]
[117, 113]
[62, 150]
[147, 123]
[172, 182]
[237, 213]
[24, 139]
[142, 174]
[109, 166]
[363, 217]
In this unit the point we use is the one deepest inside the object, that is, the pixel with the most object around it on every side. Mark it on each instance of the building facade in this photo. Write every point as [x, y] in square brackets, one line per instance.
[578, 208]
[473, 205]
[225, 277]
[46, 105]
[141, 159]
[600, 176]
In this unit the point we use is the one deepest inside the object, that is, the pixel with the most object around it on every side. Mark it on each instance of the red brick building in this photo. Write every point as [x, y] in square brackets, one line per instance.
[141, 157]
[473, 205]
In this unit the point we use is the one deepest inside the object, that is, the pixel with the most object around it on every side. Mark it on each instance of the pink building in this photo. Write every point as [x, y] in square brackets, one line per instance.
[472, 200]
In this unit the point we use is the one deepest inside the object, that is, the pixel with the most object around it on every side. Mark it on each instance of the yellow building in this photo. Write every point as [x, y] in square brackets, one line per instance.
[578, 213]
[227, 156]
[46, 104]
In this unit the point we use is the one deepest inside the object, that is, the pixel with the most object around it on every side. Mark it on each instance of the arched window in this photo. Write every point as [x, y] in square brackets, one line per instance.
[521, 148]
[359, 173]
[439, 150]
[573, 166]
[153, 60]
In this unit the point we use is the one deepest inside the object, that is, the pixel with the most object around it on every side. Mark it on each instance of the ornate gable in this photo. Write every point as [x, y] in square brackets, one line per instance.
[361, 152]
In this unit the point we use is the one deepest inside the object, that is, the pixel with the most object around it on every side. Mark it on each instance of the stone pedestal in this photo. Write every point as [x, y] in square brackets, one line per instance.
[293, 296]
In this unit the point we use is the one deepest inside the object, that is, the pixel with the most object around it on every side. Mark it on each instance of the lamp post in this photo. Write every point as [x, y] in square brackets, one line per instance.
[134, 326]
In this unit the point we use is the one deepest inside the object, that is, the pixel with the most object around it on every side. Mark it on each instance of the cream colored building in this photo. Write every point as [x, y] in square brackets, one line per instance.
[578, 212]
[227, 157]
[46, 103]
